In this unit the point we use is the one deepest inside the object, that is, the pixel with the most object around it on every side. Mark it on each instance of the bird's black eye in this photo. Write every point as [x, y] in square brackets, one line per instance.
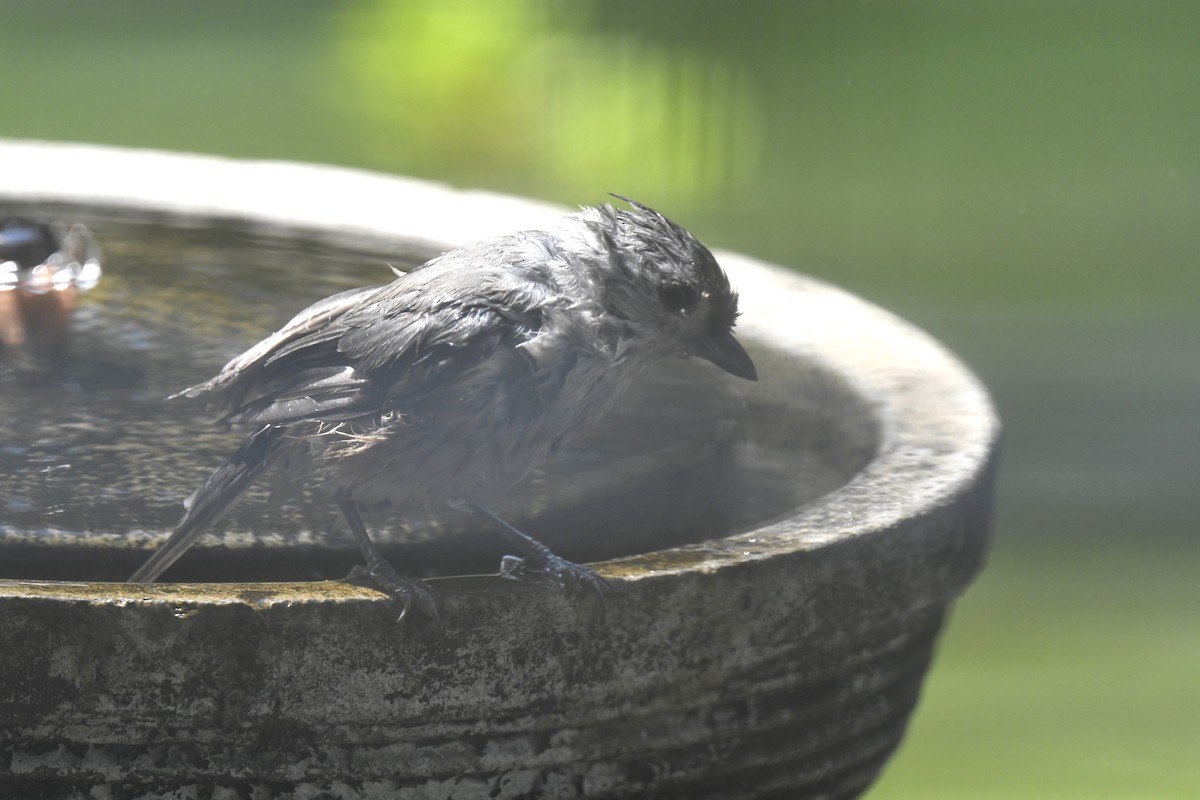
[678, 297]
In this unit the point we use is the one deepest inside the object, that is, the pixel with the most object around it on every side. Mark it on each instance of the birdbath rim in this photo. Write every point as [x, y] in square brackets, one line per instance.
[936, 432]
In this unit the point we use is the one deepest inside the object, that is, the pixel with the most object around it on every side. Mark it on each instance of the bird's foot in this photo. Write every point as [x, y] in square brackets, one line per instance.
[539, 563]
[410, 594]
[574, 579]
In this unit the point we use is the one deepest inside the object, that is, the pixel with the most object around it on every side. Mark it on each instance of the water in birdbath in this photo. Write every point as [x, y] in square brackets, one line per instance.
[95, 461]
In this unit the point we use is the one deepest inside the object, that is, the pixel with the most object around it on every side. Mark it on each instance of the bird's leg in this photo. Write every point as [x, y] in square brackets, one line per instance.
[538, 559]
[411, 593]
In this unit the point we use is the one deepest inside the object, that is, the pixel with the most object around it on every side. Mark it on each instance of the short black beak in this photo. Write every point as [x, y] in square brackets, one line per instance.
[727, 353]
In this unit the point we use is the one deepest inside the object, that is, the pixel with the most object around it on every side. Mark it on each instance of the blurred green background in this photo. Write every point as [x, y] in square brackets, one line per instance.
[1020, 178]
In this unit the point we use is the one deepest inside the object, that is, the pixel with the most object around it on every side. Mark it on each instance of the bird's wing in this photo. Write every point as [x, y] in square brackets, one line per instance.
[310, 321]
[379, 349]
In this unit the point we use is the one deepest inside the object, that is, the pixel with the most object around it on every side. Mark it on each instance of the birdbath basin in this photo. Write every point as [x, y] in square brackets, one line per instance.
[782, 555]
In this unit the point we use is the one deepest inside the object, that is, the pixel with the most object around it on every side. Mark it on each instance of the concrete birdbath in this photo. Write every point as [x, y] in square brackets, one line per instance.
[782, 555]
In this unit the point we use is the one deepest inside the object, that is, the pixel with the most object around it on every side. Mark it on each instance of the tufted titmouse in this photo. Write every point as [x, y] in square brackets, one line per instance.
[449, 384]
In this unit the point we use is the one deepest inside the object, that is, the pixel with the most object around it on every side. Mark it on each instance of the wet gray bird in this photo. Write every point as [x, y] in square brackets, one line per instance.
[448, 385]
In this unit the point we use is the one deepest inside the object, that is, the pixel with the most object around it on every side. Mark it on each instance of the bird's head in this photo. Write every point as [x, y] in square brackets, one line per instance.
[669, 289]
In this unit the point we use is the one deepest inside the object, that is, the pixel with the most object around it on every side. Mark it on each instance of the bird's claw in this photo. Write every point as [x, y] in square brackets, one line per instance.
[411, 594]
[417, 595]
[512, 567]
[574, 579]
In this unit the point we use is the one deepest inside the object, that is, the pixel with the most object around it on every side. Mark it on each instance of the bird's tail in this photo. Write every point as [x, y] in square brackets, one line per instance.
[210, 502]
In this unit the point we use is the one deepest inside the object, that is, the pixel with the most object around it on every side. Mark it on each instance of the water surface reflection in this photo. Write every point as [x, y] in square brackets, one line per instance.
[97, 462]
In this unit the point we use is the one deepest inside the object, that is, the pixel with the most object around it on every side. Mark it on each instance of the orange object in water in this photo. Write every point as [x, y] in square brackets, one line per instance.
[43, 268]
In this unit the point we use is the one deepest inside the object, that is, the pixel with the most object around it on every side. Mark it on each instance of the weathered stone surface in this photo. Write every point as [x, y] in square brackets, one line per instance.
[781, 660]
